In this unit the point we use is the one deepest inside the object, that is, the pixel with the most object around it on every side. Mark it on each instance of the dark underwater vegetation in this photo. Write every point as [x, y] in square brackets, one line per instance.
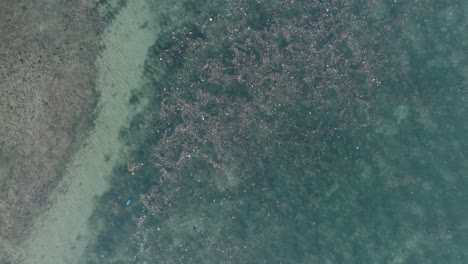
[296, 132]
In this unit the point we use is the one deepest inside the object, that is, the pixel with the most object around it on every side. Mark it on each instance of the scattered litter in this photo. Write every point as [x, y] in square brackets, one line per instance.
[129, 201]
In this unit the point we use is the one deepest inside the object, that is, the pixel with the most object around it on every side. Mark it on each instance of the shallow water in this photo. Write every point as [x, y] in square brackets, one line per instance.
[293, 132]
[61, 234]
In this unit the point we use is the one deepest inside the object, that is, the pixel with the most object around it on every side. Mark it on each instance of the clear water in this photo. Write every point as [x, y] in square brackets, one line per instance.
[296, 132]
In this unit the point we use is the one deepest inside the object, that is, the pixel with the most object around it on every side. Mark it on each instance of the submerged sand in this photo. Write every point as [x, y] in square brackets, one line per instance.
[47, 95]
[61, 233]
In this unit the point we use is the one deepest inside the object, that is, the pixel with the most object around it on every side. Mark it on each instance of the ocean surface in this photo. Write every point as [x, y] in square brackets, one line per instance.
[293, 131]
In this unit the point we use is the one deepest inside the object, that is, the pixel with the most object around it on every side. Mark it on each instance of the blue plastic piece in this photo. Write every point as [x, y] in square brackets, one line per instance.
[129, 201]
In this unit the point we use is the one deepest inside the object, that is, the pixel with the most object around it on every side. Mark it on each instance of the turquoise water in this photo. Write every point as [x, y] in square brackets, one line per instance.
[296, 132]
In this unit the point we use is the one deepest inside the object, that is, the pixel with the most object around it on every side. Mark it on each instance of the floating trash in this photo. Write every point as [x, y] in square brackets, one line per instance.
[129, 201]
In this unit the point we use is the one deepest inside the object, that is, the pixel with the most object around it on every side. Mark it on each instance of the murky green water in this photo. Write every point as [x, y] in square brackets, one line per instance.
[296, 132]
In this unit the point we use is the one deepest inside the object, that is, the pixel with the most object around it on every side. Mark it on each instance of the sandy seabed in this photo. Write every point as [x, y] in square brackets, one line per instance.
[60, 234]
